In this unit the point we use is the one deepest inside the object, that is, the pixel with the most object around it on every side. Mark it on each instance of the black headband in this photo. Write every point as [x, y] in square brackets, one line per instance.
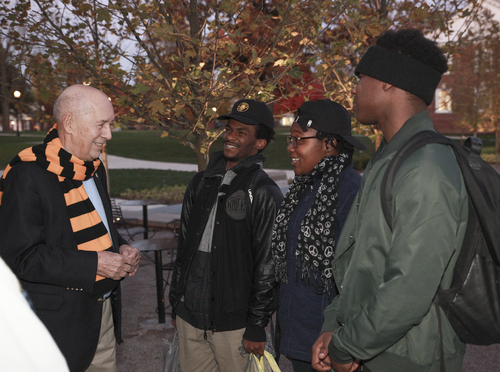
[401, 71]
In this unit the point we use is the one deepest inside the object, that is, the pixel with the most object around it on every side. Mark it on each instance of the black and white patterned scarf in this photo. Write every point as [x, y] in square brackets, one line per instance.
[316, 243]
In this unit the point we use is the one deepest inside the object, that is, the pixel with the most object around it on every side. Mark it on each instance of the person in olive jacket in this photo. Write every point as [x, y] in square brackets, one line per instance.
[384, 319]
[223, 291]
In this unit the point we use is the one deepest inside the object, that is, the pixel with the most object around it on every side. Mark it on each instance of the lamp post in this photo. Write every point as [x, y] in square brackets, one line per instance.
[17, 94]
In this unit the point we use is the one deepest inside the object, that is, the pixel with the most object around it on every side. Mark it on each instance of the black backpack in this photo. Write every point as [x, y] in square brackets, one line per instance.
[472, 304]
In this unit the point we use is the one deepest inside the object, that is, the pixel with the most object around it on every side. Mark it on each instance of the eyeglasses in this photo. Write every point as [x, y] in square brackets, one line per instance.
[295, 141]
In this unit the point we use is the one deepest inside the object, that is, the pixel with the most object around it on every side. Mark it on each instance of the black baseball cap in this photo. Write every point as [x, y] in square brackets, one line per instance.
[248, 111]
[328, 117]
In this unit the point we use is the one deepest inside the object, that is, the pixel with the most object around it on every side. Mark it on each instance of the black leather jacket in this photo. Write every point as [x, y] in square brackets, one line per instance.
[242, 292]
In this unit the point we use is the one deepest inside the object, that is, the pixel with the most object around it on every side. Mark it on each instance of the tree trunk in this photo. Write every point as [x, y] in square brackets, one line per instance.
[105, 161]
[4, 90]
[201, 158]
[382, 10]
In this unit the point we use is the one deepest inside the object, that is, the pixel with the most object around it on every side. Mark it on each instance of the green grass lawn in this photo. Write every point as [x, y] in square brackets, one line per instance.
[148, 145]
[169, 185]
[165, 185]
[11, 145]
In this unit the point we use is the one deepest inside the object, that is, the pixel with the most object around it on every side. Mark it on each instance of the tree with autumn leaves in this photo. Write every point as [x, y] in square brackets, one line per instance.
[176, 65]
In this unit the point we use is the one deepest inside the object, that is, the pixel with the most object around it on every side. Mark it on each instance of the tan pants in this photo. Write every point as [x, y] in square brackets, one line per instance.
[218, 353]
[105, 355]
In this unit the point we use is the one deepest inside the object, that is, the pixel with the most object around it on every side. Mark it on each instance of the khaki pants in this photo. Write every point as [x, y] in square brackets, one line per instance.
[105, 355]
[218, 353]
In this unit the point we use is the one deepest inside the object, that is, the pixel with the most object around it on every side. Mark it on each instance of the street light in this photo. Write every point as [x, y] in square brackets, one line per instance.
[17, 94]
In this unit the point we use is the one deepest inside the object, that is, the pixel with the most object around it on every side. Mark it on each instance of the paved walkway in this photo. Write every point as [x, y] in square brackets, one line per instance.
[119, 162]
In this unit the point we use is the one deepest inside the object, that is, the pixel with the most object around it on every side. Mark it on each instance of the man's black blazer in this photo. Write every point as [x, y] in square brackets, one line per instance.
[37, 242]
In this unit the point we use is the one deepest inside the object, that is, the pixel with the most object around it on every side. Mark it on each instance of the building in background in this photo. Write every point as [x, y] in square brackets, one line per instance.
[467, 100]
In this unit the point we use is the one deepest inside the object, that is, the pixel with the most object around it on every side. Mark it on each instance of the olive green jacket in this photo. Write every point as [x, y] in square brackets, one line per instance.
[387, 280]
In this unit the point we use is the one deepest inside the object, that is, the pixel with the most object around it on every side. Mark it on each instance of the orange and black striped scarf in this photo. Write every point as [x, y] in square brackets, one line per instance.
[90, 232]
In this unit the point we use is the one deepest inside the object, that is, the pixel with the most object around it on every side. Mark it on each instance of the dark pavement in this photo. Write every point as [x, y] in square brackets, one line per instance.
[144, 338]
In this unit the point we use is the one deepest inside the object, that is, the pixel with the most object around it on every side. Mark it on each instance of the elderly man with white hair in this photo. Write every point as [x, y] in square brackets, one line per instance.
[57, 231]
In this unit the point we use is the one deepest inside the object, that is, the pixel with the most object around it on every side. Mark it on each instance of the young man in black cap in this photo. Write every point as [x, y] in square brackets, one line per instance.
[223, 289]
[384, 319]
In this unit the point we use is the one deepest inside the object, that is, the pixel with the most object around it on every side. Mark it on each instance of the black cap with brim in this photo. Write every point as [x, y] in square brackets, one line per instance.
[248, 111]
[328, 117]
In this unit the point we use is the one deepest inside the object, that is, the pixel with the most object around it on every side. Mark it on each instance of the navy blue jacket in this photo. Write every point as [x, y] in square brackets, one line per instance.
[301, 311]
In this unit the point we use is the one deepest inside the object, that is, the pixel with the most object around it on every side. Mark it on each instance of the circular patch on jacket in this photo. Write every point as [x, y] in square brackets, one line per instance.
[236, 206]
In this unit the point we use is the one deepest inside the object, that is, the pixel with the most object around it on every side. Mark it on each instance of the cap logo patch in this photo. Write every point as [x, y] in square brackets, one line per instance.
[243, 106]
[309, 123]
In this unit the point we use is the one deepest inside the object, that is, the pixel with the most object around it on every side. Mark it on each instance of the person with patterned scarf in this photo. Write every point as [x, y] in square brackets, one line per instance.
[309, 221]
[58, 235]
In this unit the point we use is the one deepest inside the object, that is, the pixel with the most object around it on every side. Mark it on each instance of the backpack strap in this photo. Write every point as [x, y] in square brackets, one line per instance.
[413, 144]
[481, 181]
[474, 145]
